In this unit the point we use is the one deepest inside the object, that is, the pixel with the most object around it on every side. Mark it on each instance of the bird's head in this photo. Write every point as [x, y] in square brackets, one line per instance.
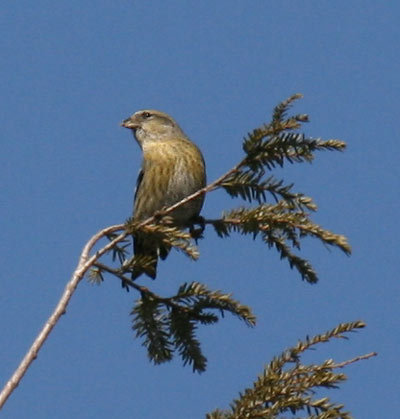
[151, 125]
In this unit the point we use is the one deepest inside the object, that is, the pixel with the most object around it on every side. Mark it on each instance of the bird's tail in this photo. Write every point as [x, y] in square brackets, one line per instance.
[147, 252]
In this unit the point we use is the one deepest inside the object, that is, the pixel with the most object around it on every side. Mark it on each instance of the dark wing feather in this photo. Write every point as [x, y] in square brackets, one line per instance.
[138, 182]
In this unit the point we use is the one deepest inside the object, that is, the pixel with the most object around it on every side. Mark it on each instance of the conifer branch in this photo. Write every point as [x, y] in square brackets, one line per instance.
[168, 324]
[183, 328]
[250, 186]
[282, 225]
[279, 226]
[150, 321]
[155, 319]
[179, 316]
[167, 234]
[292, 390]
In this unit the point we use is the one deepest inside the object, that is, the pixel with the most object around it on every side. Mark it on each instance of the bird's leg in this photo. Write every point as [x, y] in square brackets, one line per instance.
[197, 233]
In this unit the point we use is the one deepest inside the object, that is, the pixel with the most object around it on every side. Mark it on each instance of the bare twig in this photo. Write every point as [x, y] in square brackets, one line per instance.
[194, 195]
[124, 279]
[143, 290]
[83, 265]
[85, 262]
[353, 360]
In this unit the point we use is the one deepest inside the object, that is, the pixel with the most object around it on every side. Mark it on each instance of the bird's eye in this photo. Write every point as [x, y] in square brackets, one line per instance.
[146, 115]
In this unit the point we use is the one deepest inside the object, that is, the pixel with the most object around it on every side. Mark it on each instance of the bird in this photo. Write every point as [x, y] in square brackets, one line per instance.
[173, 168]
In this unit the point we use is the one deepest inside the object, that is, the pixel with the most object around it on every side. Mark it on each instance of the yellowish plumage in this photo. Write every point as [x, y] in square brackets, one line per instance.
[172, 168]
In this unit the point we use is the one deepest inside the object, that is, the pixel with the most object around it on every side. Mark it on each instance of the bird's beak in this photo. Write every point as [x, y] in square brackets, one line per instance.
[128, 123]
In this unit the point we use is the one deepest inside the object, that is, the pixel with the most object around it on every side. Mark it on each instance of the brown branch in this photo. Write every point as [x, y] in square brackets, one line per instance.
[330, 366]
[85, 262]
[194, 195]
[143, 290]
[352, 361]
[123, 278]
[83, 265]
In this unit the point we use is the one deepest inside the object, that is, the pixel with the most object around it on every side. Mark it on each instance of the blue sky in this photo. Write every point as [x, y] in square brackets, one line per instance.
[72, 70]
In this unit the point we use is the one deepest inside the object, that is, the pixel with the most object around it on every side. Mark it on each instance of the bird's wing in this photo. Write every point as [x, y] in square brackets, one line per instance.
[138, 182]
